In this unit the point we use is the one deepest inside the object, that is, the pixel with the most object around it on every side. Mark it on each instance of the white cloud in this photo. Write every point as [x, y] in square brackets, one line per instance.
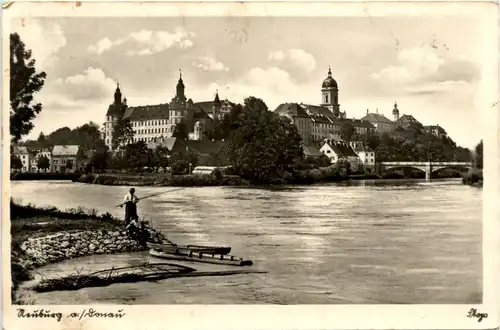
[294, 57]
[92, 84]
[146, 42]
[414, 64]
[45, 38]
[209, 63]
[101, 46]
[273, 85]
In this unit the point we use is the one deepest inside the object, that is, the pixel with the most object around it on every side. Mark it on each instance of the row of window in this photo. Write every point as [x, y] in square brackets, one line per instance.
[151, 131]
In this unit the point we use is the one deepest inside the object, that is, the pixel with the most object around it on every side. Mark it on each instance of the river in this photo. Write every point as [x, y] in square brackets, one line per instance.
[368, 242]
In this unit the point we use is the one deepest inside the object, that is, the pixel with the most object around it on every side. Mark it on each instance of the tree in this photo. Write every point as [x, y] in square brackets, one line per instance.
[100, 160]
[478, 155]
[161, 156]
[179, 163]
[137, 155]
[181, 131]
[41, 141]
[15, 162]
[347, 131]
[123, 133]
[43, 163]
[262, 145]
[24, 83]
[69, 164]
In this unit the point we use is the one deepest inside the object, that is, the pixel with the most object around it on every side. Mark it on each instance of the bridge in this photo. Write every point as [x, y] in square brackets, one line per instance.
[427, 167]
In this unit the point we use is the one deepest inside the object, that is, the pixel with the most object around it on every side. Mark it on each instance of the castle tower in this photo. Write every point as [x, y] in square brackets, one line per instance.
[180, 108]
[330, 94]
[114, 113]
[395, 112]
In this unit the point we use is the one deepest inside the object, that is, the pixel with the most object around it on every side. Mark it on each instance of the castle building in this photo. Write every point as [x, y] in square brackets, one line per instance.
[151, 122]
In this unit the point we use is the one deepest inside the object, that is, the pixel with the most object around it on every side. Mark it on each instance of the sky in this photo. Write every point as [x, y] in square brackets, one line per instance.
[431, 70]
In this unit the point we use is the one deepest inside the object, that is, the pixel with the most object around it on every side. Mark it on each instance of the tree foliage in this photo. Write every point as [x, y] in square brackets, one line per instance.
[69, 164]
[15, 162]
[221, 129]
[87, 136]
[181, 131]
[123, 133]
[262, 144]
[25, 82]
[415, 145]
[478, 155]
[43, 163]
[347, 131]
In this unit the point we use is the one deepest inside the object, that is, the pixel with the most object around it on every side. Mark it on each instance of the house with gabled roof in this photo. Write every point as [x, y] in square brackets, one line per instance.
[365, 153]
[66, 158]
[24, 155]
[336, 151]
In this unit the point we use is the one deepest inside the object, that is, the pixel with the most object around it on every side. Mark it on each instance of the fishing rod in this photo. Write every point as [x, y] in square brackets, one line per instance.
[155, 194]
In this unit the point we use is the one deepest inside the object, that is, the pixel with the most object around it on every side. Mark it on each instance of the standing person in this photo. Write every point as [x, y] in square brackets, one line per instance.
[130, 200]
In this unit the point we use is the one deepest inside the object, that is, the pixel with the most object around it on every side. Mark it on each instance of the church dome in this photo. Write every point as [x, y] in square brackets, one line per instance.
[329, 82]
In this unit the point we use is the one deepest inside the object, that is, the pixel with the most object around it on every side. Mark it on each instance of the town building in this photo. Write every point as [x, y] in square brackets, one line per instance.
[65, 158]
[23, 154]
[436, 130]
[154, 121]
[366, 154]
[381, 123]
[336, 151]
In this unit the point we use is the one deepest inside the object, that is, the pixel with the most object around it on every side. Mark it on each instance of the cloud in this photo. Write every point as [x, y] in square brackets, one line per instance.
[419, 70]
[146, 42]
[92, 84]
[44, 37]
[294, 57]
[209, 63]
[101, 46]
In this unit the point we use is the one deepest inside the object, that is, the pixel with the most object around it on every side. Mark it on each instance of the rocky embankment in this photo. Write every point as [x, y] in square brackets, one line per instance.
[40, 251]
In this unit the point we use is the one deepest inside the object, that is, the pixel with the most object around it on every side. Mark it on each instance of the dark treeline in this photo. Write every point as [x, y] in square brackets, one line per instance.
[87, 136]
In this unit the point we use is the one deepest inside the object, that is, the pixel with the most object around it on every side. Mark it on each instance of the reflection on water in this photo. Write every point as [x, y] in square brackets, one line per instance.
[358, 242]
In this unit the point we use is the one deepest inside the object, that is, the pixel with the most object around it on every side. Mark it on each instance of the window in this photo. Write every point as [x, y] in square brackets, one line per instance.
[326, 98]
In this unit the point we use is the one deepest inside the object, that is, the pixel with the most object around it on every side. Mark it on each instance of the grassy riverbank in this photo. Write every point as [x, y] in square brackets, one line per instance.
[44, 235]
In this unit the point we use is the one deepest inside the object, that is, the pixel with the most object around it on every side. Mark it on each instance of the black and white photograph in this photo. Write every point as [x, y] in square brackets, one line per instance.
[220, 155]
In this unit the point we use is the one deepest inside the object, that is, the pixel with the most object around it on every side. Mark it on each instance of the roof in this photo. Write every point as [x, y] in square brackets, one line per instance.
[311, 151]
[318, 118]
[115, 109]
[172, 144]
[291, 109]
[362, 123]
[341, 149]
[377, 118]
[408, 119]
[318, 110]
[147, 112]
[65, 150]
[360, 147]
[204, 147]
[20, 150]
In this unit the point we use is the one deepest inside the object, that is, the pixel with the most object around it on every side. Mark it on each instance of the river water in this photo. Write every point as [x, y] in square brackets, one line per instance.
[363, 243]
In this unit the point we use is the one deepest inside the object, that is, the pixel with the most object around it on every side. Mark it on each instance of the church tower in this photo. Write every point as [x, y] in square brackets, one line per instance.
[395, 112]
[330, 94]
